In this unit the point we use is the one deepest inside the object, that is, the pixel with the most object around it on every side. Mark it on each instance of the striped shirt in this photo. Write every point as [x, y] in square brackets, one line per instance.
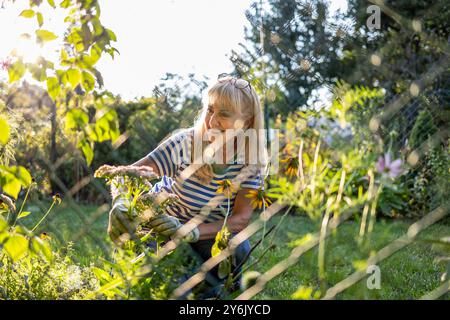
[172, 157]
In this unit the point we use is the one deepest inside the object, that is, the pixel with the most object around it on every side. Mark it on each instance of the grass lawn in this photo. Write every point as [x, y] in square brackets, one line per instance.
[407, 274]
[82, 225]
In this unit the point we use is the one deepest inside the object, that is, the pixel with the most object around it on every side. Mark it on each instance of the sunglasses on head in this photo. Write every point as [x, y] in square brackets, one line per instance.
[238, 83]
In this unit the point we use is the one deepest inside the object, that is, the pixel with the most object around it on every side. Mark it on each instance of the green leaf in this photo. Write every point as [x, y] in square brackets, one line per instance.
[45, 35]
[73, 77]
[51, 3]
[102, 129]
[64, 55]
[87, 151]
[27, 14]
[65, 4]
[98, 28]
[99, 77]
[22, 230]
[41, 247]
[3, 237]
[111, 34]
[76, 38]
[19, 173]
[96, 53]
[13, 178]
[16, 71]
[16, 246]
[65, 60]
[111, 51]
[224, 268]
[3, 224]
[40, 19]
[53, 87]
[88, 81]
[86, 35]
[4, 131]
[101, 275]
[10, 185]
[76, 119]
[38, 73]
[107, 126]
[84, 62]
[23, 214]
[92, 132]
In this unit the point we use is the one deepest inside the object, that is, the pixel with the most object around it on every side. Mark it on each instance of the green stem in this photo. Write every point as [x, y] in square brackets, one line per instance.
[314, 169]
[278, 224]
[45, 215]
[255, 262]
[23, 204]
[373, 208]
[362, 228]
[322, 239]
[228, 212]
[271, 245]
[265, 222]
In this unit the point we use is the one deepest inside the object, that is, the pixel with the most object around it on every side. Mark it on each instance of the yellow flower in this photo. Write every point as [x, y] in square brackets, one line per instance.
[221, 241]
[225, 187]
[291, 166]
[57, 199]
[258, 197]
[44, 236]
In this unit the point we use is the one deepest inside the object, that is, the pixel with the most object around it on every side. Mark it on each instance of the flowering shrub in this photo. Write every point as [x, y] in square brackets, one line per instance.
[31, 268]
[37, 279]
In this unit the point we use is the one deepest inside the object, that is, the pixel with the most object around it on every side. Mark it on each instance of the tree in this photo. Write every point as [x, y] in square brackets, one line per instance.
[412, 38]
[301, 51]
[70, 82]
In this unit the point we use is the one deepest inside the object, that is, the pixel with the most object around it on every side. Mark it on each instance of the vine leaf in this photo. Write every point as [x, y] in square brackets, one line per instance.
[45, 35]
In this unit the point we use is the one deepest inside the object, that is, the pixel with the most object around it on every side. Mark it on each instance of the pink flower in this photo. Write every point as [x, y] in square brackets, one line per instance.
[5, 64]
[387, 167]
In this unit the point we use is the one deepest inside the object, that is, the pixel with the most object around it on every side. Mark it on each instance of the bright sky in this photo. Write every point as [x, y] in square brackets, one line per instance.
[154, 37]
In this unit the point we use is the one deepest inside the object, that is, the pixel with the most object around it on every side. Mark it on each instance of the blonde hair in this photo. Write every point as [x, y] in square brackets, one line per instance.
[226, 95]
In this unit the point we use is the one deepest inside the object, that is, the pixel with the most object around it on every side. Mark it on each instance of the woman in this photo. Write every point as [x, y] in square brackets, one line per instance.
[199, 163]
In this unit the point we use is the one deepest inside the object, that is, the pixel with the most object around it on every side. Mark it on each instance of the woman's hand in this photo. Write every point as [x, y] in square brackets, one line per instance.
[120, 227]
[168, 226]
[164, 224]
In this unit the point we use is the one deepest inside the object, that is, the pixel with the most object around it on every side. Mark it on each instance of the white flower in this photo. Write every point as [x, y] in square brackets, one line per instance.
[73, 278]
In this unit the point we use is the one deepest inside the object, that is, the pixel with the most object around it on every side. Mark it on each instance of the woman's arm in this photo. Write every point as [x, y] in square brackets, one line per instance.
[242, 211]
[146, 161]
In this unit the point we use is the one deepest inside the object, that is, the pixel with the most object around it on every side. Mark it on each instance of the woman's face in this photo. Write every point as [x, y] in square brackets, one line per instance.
[223, 119]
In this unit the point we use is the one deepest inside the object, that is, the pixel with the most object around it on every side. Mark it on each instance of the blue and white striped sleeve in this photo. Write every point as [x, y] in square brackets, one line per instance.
[169, 154]
[252, 182]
